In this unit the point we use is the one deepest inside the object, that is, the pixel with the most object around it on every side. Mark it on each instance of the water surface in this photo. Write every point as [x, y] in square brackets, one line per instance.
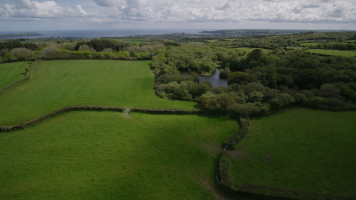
[215, 80]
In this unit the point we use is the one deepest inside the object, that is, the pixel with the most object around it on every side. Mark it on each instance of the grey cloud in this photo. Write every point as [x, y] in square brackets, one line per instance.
[179, 11]
[23, 4]
[107, 3]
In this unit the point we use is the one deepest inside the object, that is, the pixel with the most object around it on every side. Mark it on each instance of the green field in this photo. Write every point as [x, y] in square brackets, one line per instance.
[251, 49]
[299, 149]
[212, 40]
[333, 52]
[56, 84]
[110, 155]
[12, 72]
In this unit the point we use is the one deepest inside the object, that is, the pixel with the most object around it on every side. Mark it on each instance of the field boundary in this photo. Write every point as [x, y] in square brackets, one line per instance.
[178, 111]
[257, 191]
[232, 141]
[101, 108]
[27, 77]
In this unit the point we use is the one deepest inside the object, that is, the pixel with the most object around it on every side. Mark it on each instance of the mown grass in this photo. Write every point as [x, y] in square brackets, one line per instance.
[56, 84]
[299, 149]
[247, 49]
[333, 52]
[12, 72]
[110, 155]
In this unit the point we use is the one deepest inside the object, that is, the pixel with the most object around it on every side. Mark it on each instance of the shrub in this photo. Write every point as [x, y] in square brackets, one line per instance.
[108, 50]
[224, 73]
[49, 52]
[329, 90]
[20, 53]
[86, 47]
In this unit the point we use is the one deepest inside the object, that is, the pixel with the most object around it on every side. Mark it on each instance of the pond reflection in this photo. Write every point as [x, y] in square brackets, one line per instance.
[215, 80]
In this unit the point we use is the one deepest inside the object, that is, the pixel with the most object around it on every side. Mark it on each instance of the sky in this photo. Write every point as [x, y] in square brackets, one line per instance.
[42, 15]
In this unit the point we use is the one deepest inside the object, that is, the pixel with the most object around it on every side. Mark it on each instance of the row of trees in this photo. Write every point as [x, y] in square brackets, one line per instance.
[334, 46]
[202, 60]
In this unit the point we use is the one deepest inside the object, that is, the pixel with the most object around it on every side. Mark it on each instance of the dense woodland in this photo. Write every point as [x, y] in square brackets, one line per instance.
[258, 82]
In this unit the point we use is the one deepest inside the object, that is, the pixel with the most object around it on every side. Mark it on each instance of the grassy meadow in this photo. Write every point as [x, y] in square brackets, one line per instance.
[12, 72]
[299, 149]
[332, 52]
[56, 84]
[110, 155]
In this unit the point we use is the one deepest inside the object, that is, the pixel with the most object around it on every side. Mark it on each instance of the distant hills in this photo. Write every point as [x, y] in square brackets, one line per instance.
[19, 35]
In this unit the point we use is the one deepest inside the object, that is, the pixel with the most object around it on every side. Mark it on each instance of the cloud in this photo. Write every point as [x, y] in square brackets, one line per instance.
[288, 11]
[34, 10]
[107, 3]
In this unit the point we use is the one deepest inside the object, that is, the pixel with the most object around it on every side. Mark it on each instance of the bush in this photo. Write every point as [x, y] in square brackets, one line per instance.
[224, 73]
[20, 54]
[86, 47]
[49, 52]
[329, 90]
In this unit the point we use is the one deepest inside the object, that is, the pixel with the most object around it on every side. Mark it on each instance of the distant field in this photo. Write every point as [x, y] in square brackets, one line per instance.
[333, 52]
[108, 155]
[299, 149]
[12, 72]
[251, 49]
[57, 84]
[212, 40]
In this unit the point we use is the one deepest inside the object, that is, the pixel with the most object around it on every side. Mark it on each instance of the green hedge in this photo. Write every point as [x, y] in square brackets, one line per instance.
[231, 142]
[58, 112]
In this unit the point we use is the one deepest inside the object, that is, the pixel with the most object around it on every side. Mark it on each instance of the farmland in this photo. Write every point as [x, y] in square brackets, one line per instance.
[110, 155]
[299, 150]
[12, 72]
[56, 84]
[332, 52]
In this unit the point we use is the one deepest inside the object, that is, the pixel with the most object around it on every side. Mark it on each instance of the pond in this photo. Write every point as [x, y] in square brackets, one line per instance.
[215, 80]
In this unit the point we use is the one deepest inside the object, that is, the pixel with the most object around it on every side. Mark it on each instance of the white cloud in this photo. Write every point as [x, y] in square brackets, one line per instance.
[34, 10]
[289, 11]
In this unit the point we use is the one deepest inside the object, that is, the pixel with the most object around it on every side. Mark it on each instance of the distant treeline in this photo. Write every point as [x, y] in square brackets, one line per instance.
[95, 49]
[15, 44]
[19, 35]
[100, 45]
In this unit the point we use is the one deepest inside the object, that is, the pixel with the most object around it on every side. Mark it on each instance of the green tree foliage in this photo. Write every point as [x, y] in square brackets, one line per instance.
[16, 44]
[101, 44]
[241, 78]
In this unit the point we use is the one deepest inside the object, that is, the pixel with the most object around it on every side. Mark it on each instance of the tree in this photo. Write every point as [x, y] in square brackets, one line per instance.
[21, 53]
[241, 78]
[49, 52]
[330, 91]
[272, 76]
